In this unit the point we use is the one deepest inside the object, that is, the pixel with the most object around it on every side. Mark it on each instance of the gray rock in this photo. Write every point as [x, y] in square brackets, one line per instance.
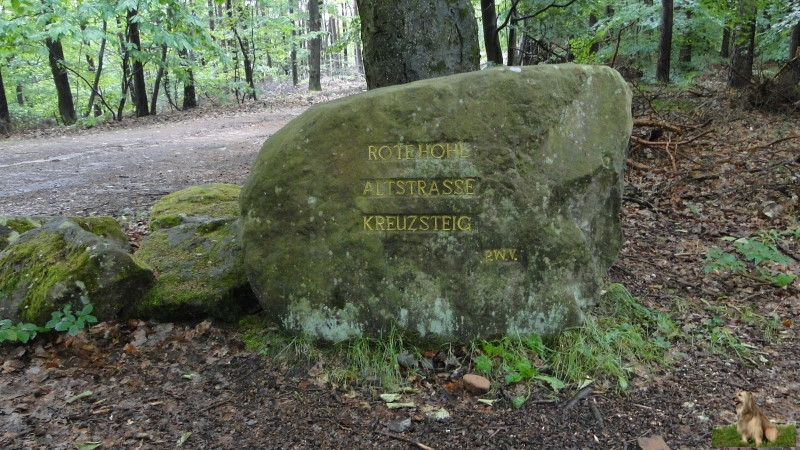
[467, 206]
[399, 425]
[62, 260]
[196, 256]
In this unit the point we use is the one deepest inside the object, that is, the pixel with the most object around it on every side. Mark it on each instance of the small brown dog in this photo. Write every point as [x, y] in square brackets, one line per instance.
[752, 422]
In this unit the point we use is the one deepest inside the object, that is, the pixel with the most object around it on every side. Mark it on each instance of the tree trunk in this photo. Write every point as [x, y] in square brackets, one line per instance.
[665, 42]
[744, 40]
[491, 40]
[794, 42]
[5, 115]
[66, 107]
[139, 86]
[248, 66]
[725, 47]
[20, 95]
[595, 47]
[409, 40]
[157, 82]
[97, 72]
[293, 53]
[357, 52]
[314, 46]
[512, 35]
[189, 95]
[685, 52]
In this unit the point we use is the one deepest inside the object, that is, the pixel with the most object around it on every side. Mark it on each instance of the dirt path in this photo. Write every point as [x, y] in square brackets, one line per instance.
[109, 171]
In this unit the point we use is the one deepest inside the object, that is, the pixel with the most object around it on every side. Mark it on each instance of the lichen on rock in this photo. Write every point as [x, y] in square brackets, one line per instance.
[474, 205]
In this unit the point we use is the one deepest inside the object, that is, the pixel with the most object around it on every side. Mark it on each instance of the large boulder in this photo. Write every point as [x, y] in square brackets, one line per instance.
[51, 262]
[474, 205]
[194, 250]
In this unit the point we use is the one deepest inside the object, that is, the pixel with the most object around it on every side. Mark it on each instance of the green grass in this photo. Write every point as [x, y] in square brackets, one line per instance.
[728, 437]
[624, 336]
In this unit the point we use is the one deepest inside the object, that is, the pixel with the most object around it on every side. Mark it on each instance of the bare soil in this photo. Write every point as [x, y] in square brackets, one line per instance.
[726, 172]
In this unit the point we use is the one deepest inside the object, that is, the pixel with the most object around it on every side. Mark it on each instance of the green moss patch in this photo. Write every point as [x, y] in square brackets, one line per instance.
[211, 200]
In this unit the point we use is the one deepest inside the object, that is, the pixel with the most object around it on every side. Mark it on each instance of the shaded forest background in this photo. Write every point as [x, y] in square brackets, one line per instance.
[84, 61]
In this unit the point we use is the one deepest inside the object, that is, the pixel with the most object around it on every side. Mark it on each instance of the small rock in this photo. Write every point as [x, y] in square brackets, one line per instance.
[476, 384]
[399, 425]
[407, 360]
[652, 443]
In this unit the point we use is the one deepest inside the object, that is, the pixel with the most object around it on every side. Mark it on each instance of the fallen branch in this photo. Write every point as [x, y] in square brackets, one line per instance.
[596, 413]
[582, 394]
[777, 141]
[657, 123]
[404, 439]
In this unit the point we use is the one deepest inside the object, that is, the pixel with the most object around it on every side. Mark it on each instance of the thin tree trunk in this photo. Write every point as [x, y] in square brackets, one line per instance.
[491, 39]
[512, 35]
[20, 95]
[293, 53]
[744, 40]
[794, 42]
[665, 42]
[139, 86]
[725, 47]
[595, 47]
[5, 115]
[685, 52]
[157, 82]
[315, 46]
[357, 52]
[66, 107]
[97, 72]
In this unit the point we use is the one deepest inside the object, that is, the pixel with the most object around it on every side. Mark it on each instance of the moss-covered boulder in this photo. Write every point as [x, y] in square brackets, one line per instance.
[196, 256]
[215, 200]
[55, 262]
[473, 205]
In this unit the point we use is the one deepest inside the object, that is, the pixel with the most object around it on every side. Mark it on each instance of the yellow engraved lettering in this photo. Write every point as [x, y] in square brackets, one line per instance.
[464, 153]
[441, 149]
[398, 147]
[434, 188]
[464, 223]
[413, 225]
[410, 151]
[424, 151]
[391, 223]
[459, 187]
[368, 225]
[447, 223]
[512, 252]
[372, 153]
[500, 254]
[385, 152]
[380, 223]
[447, 186]
[469, 186]
[369, 189]
[487, 255]
[423, 222]
[421, 185]
[452, 148]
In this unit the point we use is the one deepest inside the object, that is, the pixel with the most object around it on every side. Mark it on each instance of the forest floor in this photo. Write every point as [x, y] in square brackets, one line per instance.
[700, 168]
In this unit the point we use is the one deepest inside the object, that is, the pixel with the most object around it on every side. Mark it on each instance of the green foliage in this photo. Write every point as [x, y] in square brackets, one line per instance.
[65, 320]
[759, 254]
[72, 321]
[20, 332]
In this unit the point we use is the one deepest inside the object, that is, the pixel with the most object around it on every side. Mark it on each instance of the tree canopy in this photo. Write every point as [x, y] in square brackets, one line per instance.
[87, 60]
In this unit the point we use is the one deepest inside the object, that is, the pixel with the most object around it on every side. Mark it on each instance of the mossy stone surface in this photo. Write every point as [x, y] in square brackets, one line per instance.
[521, 247]
[57, 262]
[198, 260]
[215, 200]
